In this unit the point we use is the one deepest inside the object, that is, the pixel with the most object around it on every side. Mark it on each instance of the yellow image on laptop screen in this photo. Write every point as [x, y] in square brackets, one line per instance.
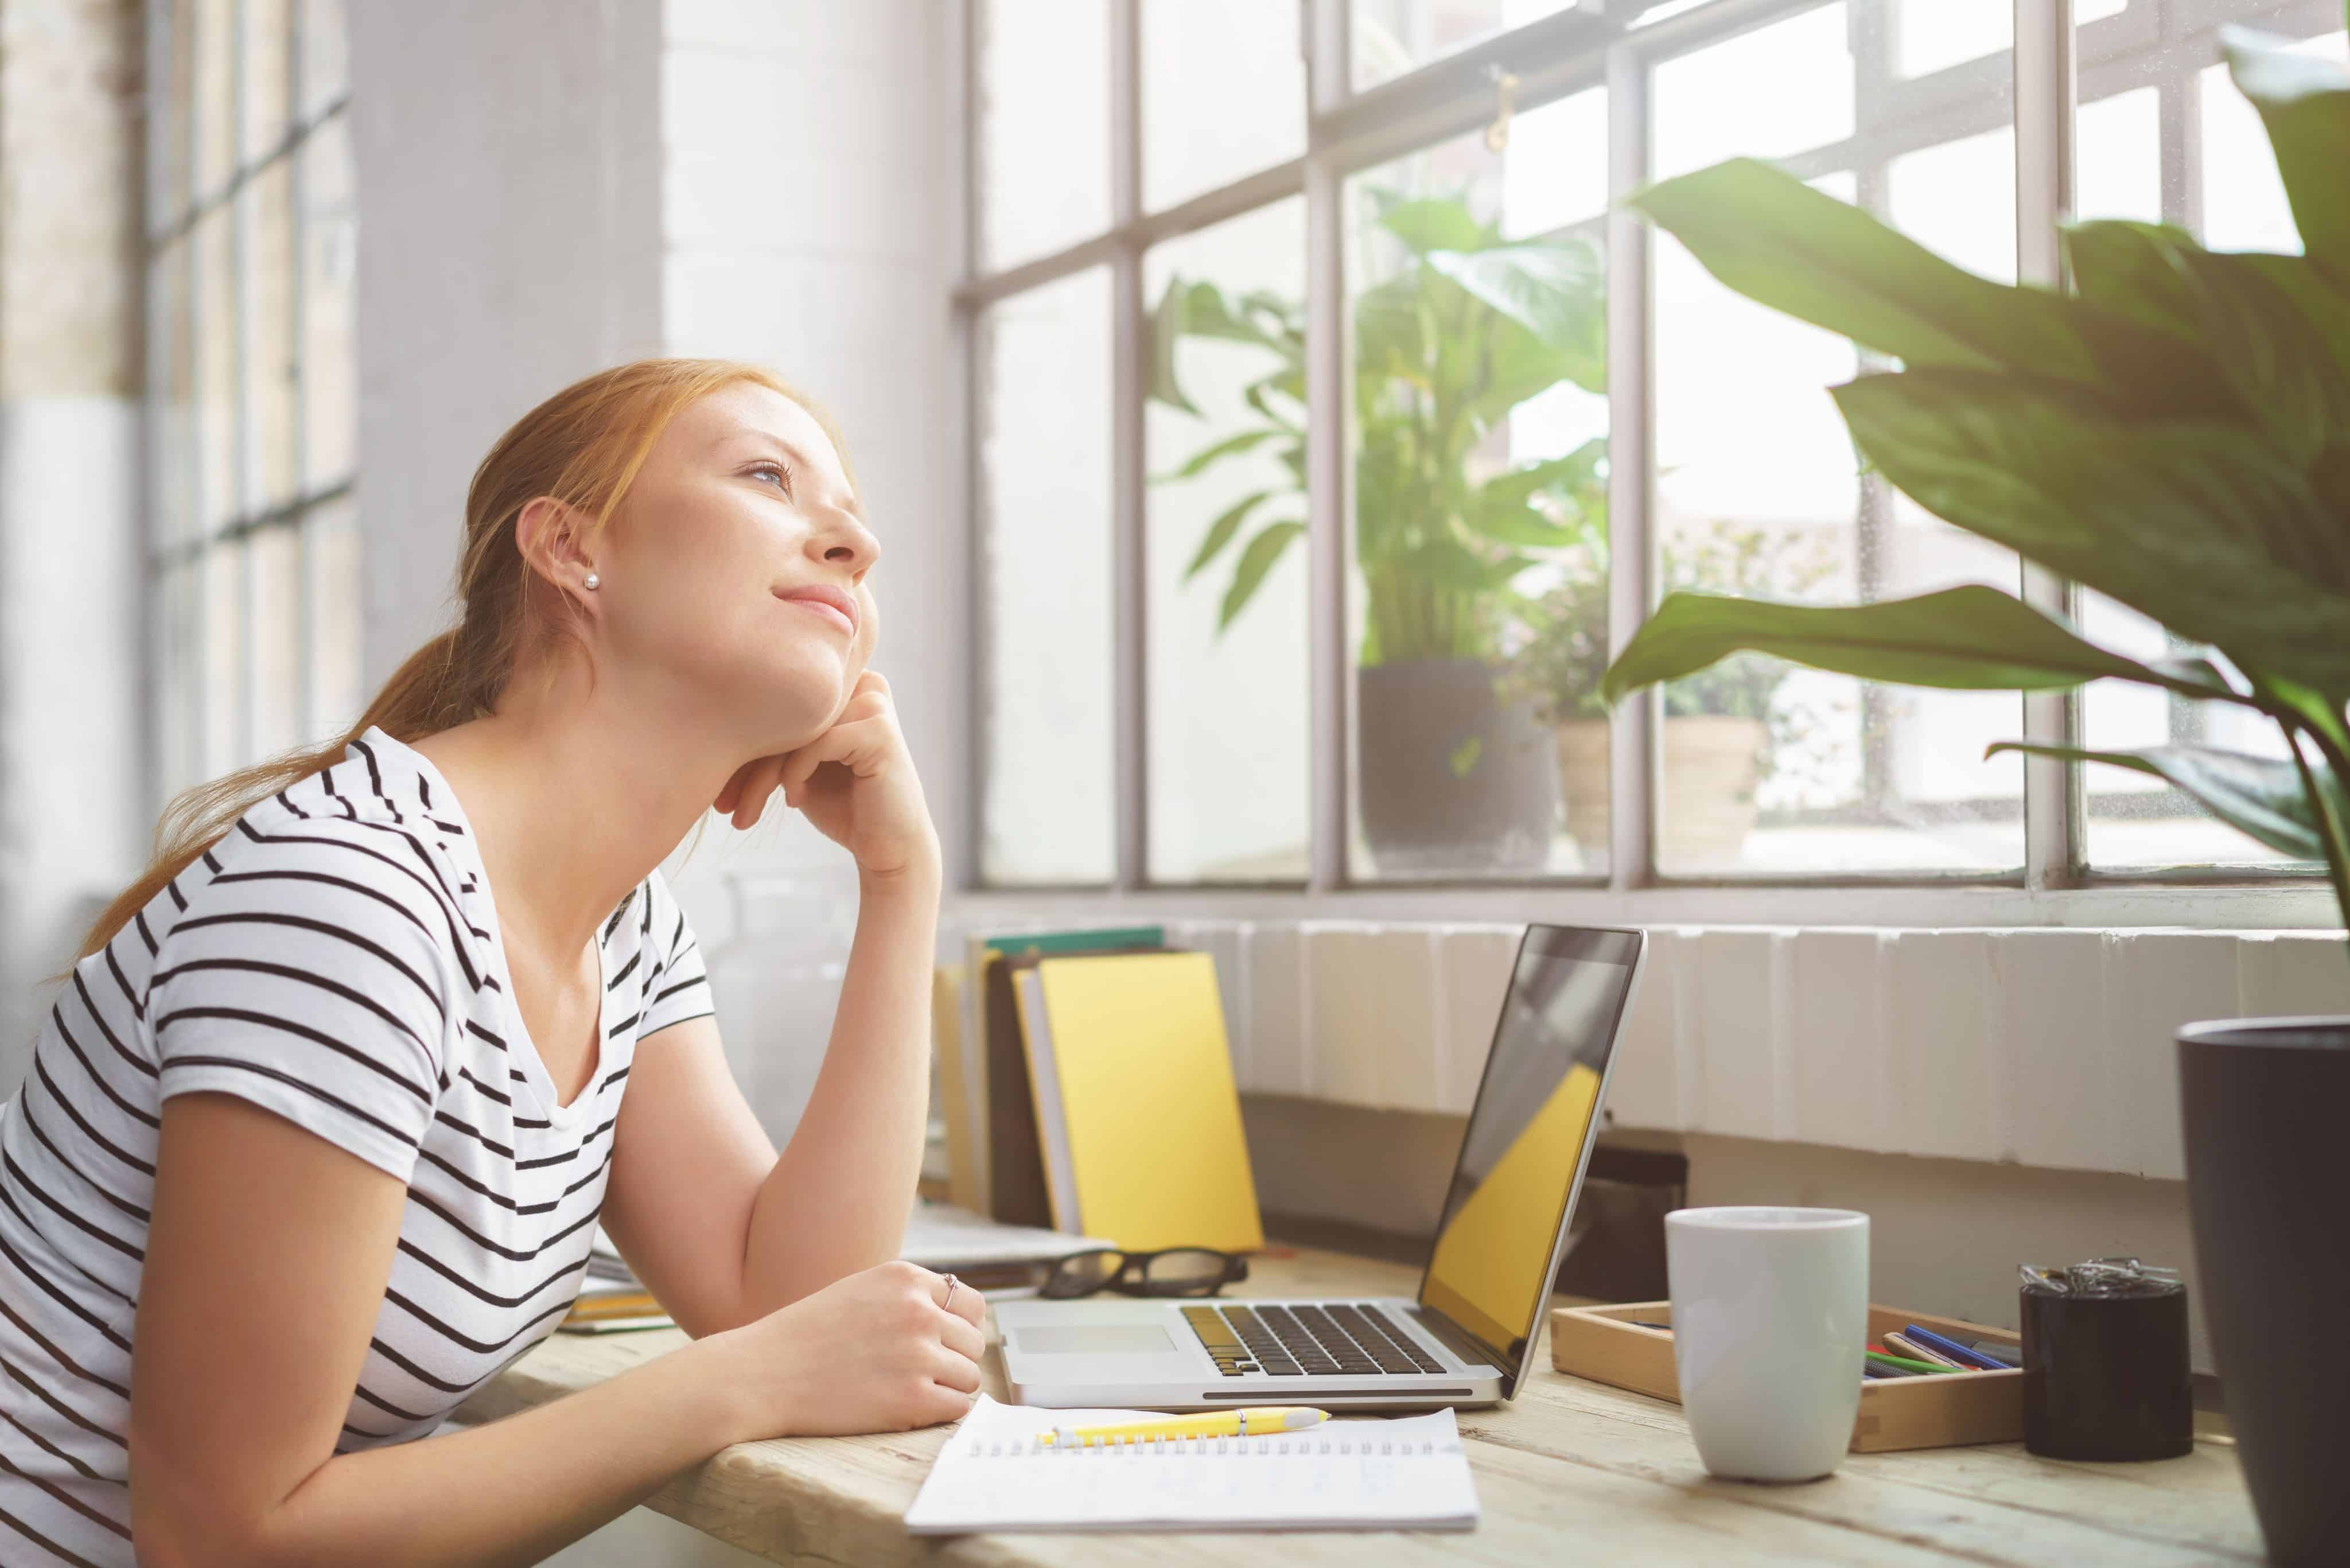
[1524, 1147]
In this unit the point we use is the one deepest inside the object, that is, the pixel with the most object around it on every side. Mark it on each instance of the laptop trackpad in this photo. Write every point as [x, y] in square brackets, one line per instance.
[1096, 1339]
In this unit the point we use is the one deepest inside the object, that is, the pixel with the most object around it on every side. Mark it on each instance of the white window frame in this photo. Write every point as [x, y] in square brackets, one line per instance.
[171, 216]
[2162, 41]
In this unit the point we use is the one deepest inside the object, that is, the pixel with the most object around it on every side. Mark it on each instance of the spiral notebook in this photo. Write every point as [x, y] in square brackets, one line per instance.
[994, 1475]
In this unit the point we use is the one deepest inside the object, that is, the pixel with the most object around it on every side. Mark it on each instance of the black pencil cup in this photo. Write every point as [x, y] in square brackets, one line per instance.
[2106, 1373]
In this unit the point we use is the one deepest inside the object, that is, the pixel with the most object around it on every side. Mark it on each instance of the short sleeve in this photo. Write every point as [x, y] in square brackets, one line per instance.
[313, 977]
[677, 987]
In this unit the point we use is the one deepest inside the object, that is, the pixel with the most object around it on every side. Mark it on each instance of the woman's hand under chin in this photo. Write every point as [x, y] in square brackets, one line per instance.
[868, 800]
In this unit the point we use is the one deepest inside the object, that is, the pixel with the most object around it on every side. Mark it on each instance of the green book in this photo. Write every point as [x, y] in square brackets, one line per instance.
[1072, 942]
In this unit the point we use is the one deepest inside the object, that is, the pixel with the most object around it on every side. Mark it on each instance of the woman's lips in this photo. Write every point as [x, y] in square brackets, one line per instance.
[826, 605]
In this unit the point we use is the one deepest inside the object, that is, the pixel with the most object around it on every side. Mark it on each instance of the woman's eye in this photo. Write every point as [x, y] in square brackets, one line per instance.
[782, 480]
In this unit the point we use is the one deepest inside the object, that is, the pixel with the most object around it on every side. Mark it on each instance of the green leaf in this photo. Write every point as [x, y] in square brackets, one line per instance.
[1525, 526]
[1201, 310]
[2259, 796]
[1520, 485]
[1775, 240]
[2190, 522]
[2305, 102]
[1220, 532]
[1964, 638]
[1551, 288]
[2307, 706]
[1433, 224]
[2272, 334]
[1206, 456]
[1167, 323]
[1288, 384]
[1255, 563]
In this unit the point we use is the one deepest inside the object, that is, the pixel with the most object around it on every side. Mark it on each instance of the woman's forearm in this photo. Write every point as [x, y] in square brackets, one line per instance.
[514, 1490]
[837, 1198]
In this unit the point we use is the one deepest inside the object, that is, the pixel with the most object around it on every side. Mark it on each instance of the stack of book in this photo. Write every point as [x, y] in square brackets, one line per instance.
[1090, 1089]
[612, 1298]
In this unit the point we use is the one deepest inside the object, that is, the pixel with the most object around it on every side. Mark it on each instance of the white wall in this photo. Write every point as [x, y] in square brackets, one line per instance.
[74, 808]
[509, 199]
[808, 222]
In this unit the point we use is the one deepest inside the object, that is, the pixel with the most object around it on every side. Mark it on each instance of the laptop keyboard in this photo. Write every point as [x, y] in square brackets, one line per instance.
[1307, 1341]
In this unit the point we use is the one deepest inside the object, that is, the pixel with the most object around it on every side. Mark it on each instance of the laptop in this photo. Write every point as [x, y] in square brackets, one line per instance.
[1467, 1338]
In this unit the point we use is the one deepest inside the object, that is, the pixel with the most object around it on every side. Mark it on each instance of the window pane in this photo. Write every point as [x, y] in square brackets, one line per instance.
[2119, 143]
[1227, 709]
[272, 386]
[1478, 612]
[2244, 205]
[1392, 37]
[326, 55]
[1767, 767]
[1196, 137]
[223, 592]
[1934, 34]
[266, 82]
[174, 390]
[180, 707]
[330, 264]
[337, 611]
[1045, 517]
[215, 47]
[1043, 126]
[168, 186]
[216, 425]
[2235, 202]
[2135, 820]
[276, 633]
[1770, 93]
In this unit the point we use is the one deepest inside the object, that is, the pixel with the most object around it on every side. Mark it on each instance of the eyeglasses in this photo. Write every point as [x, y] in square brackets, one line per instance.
[1169, 1271]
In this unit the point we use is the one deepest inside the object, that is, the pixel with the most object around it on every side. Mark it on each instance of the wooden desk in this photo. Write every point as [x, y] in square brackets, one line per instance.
[1569, 1471]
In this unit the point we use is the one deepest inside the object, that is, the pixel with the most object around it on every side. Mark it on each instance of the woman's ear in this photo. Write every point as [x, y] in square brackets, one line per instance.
[553, 542]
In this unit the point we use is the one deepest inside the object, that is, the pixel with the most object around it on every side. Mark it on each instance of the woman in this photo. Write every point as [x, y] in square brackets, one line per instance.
[327, 1113]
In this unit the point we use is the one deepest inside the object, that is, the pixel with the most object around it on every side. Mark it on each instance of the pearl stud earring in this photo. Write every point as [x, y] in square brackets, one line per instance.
[594, 581]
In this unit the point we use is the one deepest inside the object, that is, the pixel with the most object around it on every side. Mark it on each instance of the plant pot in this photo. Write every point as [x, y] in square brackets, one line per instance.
[1710, 765]
[2268, 1183]
[1450, 778]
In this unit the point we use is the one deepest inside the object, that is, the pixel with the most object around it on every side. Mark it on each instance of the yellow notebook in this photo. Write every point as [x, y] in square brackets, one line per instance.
[1137, 1108]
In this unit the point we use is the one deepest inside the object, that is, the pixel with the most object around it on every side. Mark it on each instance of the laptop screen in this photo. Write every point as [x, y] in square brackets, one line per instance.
[1523, 1151]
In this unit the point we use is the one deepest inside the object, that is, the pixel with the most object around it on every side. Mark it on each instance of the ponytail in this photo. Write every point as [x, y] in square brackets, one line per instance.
[196, 818]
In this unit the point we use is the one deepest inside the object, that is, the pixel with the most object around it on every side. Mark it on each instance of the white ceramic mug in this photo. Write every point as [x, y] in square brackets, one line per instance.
[1770, 1332]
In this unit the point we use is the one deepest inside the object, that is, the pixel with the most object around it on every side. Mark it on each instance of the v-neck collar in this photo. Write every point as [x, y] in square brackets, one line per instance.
[408, 781]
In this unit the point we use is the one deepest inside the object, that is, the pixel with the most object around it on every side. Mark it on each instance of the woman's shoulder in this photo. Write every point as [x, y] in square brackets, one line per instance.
[279, 870]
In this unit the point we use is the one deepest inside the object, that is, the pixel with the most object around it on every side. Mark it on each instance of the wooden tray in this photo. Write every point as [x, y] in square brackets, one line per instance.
[1605, 1344]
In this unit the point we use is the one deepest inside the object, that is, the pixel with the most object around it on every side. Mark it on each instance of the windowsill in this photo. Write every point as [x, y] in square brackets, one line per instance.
[1906, 1021]
[2283, 905]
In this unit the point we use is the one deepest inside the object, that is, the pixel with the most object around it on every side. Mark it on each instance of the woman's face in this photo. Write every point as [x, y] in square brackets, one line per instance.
[738, 568]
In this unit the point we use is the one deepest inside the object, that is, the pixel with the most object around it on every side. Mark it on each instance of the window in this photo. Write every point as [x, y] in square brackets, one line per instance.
[1309, 399]
[2162, 137]
[252, 389]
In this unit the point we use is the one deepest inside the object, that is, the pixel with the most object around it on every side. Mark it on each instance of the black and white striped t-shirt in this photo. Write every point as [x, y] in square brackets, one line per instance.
[335, 958]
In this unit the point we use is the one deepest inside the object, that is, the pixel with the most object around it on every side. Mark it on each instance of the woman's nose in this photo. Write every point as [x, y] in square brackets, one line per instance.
[842, 538]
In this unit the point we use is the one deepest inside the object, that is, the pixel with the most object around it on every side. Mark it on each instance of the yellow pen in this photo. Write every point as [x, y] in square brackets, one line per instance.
[1251, 1422]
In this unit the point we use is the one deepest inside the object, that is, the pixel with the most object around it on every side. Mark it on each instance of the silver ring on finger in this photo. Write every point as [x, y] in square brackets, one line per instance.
[952, 1284]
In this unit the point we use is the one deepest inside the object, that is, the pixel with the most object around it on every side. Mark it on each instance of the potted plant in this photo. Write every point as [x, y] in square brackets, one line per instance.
[1723, 725]
[2175, 435]
[1453, 776]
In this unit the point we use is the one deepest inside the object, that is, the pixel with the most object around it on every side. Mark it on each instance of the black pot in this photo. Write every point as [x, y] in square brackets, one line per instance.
[2268, 1178]
[1452, 778]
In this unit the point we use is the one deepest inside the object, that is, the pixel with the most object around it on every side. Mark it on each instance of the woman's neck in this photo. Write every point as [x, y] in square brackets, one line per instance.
[573, 804]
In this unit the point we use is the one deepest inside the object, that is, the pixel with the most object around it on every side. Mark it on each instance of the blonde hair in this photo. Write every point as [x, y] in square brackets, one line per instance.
[584, 446]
